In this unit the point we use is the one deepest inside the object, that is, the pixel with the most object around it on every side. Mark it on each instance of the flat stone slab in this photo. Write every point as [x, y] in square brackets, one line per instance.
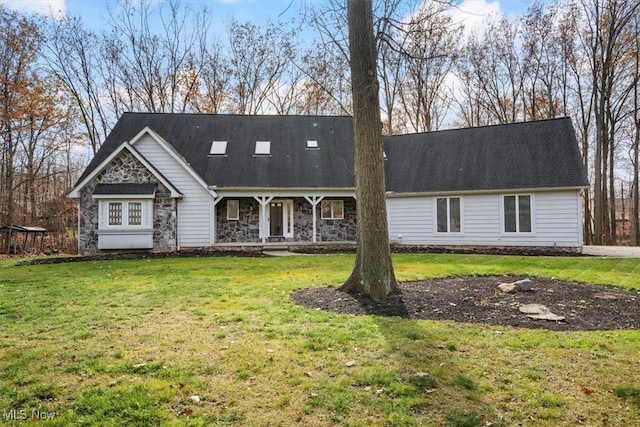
[539, 312]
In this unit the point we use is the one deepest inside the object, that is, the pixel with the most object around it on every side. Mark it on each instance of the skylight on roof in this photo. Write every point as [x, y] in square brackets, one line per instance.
[218, 148]
[263, 148]
[312, 144]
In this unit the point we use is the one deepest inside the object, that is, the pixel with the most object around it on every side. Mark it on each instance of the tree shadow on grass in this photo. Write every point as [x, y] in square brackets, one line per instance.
[423, 363]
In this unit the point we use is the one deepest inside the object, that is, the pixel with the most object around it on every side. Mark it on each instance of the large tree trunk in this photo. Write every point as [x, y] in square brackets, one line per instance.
[373, 271]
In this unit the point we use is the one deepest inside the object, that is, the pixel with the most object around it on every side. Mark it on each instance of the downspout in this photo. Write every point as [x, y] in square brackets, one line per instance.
[177, 201]
[214, 227]
[78, 229]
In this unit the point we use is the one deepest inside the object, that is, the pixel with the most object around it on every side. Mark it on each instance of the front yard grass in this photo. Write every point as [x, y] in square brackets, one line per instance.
[216, 341]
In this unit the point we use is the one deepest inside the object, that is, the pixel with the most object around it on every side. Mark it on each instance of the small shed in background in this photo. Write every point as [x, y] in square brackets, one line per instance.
[22, 239]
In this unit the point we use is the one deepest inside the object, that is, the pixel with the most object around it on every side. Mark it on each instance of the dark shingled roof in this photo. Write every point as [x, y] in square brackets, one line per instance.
[528, 155]
[290, 165]
[124, 189]
[540, 154]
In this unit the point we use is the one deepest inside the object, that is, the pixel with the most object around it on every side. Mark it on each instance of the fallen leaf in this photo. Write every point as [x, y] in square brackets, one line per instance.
[587, 391]
[185, 411]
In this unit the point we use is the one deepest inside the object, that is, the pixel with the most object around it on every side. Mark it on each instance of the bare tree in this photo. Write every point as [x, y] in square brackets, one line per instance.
[71, 53]
[325, 89]
[215, 75]
[330, 55]
[546, 83]
[607, 22]
[635, 150]
[156, 71]
[43, 110]
[493, 65]
[430, 49]
[19, 44]
[373, 271]
[258, 60]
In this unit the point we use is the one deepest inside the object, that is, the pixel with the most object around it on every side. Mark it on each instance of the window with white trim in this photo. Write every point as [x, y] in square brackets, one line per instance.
[135, 213]
[233, 210]
[332, 209]
[517, 213]
[448, 214]
[123, 214]
[115, 213]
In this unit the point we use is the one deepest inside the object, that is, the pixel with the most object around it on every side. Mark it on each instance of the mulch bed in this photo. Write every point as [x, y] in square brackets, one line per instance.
[476, 299]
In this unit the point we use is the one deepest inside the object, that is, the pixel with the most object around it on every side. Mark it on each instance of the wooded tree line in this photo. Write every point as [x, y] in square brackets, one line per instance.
[63, 85]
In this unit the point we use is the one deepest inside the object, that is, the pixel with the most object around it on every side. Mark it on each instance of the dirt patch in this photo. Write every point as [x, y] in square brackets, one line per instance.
[477, 299]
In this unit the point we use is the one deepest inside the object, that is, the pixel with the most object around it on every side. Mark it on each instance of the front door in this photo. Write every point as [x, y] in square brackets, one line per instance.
[281, 218]
[276, 220]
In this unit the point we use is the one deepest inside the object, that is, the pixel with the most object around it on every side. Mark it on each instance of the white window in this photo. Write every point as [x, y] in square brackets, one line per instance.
[263, 148]
[233, 210]
[115, 213]
[135, 213]
[312, 144]
[517, 213]
[332, 209]
[125, 214]
[448, 214]
[218, 148]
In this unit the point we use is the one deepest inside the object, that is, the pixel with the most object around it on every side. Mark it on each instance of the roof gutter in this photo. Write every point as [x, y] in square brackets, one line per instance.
[394, 194]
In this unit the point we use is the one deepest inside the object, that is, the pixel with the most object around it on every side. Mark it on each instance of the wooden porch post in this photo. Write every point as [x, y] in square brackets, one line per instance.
[314, 200]
[264, 201]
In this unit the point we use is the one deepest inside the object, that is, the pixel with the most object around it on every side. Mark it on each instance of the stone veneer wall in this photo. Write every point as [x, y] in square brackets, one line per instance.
[338, 230]
[247, 228]
[303, 220]
[127, 169]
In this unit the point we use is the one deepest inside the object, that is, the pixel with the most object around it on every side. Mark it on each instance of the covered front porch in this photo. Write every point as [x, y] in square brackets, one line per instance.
[277, 218]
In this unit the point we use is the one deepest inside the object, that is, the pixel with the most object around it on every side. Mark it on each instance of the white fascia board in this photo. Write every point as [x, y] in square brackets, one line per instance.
[285, 192]
[75, 192]
[393, 194]
[174, 154]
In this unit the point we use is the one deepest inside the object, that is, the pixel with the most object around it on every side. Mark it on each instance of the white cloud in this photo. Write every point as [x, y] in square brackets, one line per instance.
[45, 7]
[473, 14]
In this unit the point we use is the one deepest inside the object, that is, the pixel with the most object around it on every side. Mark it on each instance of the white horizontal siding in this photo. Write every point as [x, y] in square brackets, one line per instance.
[557, 221]
[410, 220]
[194, 210]
[558, 218]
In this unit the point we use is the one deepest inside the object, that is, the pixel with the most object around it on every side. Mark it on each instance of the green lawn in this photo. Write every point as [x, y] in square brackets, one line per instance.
[216, 341]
